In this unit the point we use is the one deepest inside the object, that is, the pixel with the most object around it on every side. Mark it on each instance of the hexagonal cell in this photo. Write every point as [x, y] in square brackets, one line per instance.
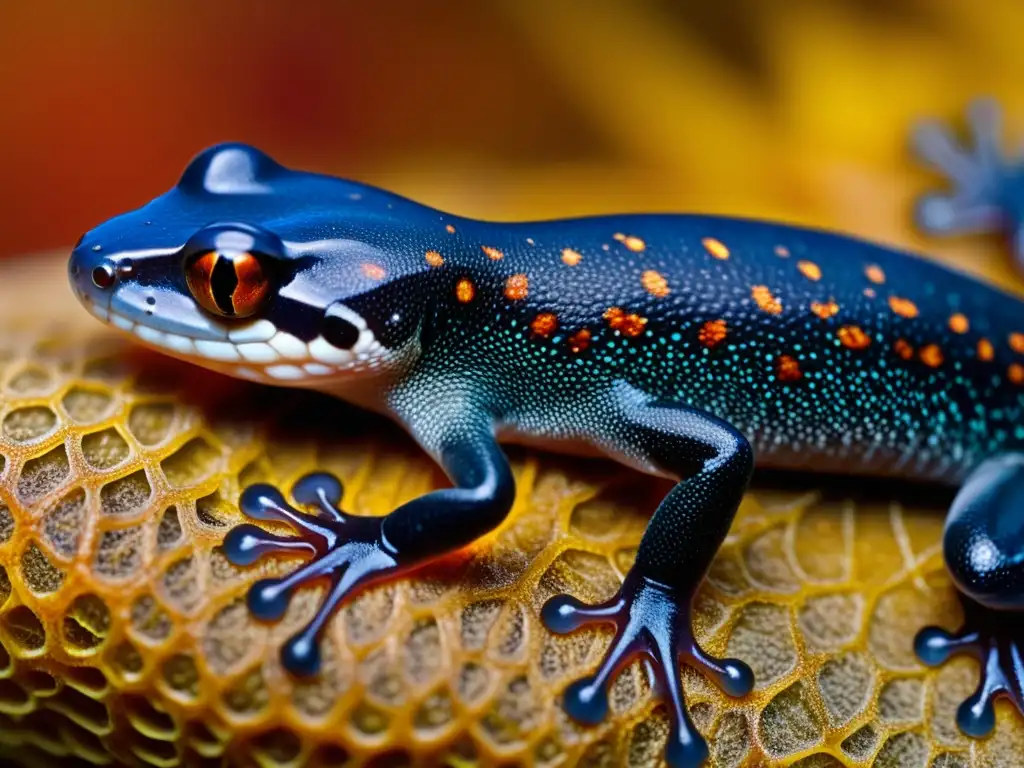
[38, 573]
[422, 652]
[180, 584]
[24, 629]
[214, 511]
[513, 714]
[119, 553]
[762, 636]
[87, 622]
[790, 722]
[230, 636]
[43, 475]
[5, 586]
[278, 746]
[767, 561]
[847, 686]
[248, 695]
[829, 622]
[860, 744]
[126, 496]
[24, 425]
[903, 750]
[6, 523]
[64, 523]
[435, 713]
[87, 406]
[902, 701]
[191, 464]
[181, 675]
[105, 449]
[731, 742]
[169, 533]
[151, 423]
[150, 619]
[126, 659]
[32, 379]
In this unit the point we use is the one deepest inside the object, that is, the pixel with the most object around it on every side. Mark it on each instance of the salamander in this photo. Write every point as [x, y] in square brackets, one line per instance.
[684, 346]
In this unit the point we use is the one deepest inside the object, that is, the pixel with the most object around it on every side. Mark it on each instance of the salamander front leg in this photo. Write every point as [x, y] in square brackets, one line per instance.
[983, 181]
[352, 552]
[651, 612]
[984, 550]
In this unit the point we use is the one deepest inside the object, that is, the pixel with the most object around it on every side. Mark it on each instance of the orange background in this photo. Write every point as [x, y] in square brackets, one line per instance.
[505, 109]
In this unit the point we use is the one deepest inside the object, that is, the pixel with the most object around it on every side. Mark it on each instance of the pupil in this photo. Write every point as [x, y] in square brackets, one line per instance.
[223, 282]
[339, 332]
[103, 276]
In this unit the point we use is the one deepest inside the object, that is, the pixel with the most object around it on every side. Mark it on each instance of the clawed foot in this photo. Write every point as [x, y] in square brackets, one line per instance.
[650, 619]
[348, 551]
[978, 172]
[996, 639]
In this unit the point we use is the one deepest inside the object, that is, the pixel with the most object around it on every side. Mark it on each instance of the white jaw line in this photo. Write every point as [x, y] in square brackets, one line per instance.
[258, 351]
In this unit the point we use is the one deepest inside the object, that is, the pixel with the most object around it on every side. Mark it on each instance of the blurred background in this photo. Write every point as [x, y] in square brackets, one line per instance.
[503, 109]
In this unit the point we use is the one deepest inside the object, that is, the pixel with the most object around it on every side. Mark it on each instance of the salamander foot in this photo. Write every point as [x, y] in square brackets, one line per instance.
[654, 620]
[349, 552]
[996, 639]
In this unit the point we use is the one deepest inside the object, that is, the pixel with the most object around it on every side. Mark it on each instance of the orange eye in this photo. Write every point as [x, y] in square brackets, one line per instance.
[228, 283]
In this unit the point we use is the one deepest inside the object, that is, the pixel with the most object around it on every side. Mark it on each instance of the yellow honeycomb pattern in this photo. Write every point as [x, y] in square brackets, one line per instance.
[124, 639]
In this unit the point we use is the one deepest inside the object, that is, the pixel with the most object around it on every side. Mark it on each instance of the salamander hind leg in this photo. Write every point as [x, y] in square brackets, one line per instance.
[984, 550]
[651, 611]
[978, 173]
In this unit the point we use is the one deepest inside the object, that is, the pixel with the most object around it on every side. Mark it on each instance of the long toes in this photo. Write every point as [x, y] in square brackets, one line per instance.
[301, 654]
[976, 716]
[934, 144]
[685, 751]
[586, 701]
[264, 502]
[321, 490]
[268, 599]
[934, 645]
[735, 678]
[246, 543]
[563, 614]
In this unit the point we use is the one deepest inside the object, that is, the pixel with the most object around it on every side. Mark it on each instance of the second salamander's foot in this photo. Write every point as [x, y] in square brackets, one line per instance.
[653, 620]
[349, 552]
[996, 639]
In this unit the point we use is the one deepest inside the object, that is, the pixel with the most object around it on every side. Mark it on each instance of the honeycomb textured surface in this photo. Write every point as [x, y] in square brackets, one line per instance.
[125, 639]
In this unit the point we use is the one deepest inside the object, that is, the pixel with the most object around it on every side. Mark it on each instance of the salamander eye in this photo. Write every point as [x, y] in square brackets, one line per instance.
[228, 283]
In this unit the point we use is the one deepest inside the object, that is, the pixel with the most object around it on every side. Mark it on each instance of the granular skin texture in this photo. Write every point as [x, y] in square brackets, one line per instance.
[126, 641]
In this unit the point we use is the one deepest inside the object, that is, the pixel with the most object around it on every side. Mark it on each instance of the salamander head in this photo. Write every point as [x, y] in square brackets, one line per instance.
[262, 272]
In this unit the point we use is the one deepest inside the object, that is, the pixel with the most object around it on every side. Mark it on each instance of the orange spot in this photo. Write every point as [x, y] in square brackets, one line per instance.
[903, 307]
[634, 244]
[516, 287]
[788, 369]
[434, 258]
[853, 337]
[903, 349]
[450, 229]
[530, 241]
[875, 274]
[580, 340]
[782, 251]
[824, 310]
[986, 351]
[465, 290]
[570, 257]
[654, 283]
[809, 269]
[715, 247]
[544, 324]
[764, 299]
[373, 271]
[958, 323]
[492, 253]
[627, 325]
[870, 293]
[931, 355]
[712, 332]
[1017, 342]
[1015, 372]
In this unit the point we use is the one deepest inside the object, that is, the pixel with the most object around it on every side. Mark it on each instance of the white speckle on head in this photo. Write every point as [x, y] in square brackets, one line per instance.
[232, 171]
[289, 346]
[261, 330]
[217, 350]
[317, 369]
[288, 372]
[326, 352]
[259, 353]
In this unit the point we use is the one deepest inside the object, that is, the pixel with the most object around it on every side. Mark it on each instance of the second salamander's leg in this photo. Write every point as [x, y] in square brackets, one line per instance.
[651, 612]
[352, 552]
[984, 549]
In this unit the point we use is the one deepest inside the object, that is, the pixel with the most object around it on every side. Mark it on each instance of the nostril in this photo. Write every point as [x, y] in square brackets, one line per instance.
[103, 276]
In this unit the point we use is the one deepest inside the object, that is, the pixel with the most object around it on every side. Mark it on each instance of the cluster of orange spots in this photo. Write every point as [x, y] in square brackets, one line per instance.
[853, 336]
[782, 251]
[870, 293]
[627, 325]
[986, 351]
[465, 290]
[958, 323]
[1015, 372]
[492, 253]
[434, 259]
[373, 271]
[544, 324]
[634, 244]
[713, 332]
[655, 283]
[809, 269]
[516, 287]
[824, 309]
[579, 341]
[903, 307]
[449, 229]
[715, 247]
[903, 349]
[788, 369]
[1017, 342]
[931, 355]
[570, 257]
[875, 274]
[765, 300]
